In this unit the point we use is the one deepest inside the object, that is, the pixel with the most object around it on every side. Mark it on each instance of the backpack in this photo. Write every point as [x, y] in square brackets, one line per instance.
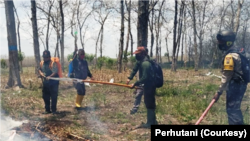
[158, 77]
[70, 73]
[57, 61]
[245, 66]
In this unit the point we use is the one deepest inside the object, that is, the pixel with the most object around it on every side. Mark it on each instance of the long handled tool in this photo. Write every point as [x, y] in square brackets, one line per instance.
[92, 81]
[108, 83]
[205, 112]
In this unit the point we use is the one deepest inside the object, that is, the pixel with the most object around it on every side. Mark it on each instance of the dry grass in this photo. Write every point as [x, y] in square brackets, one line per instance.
[181, 100]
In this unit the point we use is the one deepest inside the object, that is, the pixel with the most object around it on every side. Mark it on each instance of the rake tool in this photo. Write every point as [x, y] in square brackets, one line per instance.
[205, 112]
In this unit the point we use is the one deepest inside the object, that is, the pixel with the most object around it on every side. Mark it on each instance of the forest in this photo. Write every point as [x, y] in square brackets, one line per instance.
[179, 34]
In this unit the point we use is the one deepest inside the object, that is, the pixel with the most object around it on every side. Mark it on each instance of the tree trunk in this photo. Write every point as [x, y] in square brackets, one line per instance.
[142, 23]
[173, 67]
[151, 27]
[157, 31]
[185, 38]
[129, 26]
[182, 49]
[166, 39]
[121, 39]
[35, 35]
[62, 35]
[236, 27]
[14, 75]
[195, 42]
[101, 40]
[19, 43]
[128, 34]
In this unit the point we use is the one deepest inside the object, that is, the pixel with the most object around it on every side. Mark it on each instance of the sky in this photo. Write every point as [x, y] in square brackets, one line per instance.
[110, 41]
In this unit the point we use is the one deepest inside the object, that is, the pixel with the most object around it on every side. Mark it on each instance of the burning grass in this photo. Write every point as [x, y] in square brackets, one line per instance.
[105, 116]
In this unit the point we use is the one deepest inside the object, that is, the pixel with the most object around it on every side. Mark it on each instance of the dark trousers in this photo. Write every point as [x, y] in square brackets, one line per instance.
[149, 97]
[50, 93]
[234, 97]
[80, 87]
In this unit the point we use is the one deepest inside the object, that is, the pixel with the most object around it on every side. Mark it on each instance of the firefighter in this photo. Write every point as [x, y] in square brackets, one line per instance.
[50, 87]
[139, 91]
[81, 71]
[146, 80]
[231, 81]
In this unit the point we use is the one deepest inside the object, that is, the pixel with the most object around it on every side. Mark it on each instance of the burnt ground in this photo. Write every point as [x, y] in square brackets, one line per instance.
[104, 116]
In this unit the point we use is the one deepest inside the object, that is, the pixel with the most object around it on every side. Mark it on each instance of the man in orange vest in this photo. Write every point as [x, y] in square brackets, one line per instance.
[50, 87]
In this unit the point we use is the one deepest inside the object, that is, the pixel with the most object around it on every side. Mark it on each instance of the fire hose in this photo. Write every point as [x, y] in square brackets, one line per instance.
[93, 81]
[205, 112]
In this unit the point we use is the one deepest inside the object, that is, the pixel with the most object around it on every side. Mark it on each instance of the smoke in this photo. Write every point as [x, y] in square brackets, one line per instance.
[93, 120]
[6, 132]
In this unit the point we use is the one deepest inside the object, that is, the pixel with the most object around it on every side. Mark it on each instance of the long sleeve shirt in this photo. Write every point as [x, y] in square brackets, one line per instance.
[228, 75]
[145, 73]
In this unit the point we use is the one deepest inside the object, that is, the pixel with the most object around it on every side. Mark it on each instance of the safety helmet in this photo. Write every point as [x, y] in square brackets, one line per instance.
[225, 39]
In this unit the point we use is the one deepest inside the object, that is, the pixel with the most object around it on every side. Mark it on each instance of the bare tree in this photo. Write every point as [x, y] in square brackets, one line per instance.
[128, 5]
[73, 23]
[99, 10]
[173, 67]
[157, 31]
[14, 75]
[35, 35]
[129, 8]
[202, 22]
[62, 34]
[151, 27]
[142, 23]
[195, 34]
[177, 33]
[81, 24]
[237, 24]
[18, 36]
[47, 13]
[121, 38]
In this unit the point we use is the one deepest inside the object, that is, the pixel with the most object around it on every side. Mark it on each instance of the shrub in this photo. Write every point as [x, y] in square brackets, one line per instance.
[110, 62]
[70, 56]
[3, 64]
[21, 56]
[89, 57]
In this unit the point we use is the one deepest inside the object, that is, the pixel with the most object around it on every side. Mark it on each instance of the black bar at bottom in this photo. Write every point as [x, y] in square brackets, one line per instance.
[163, 132]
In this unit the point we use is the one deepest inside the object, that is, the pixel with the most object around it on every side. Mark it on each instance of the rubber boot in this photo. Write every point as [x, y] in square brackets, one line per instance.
[151, 119]
[79, 99]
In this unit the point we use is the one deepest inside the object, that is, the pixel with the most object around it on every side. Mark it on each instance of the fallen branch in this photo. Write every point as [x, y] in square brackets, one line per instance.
[75, 136]
[45, 134]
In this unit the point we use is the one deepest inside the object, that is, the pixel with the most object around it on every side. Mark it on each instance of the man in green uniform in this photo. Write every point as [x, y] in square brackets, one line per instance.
[139, 91]
[146, 80]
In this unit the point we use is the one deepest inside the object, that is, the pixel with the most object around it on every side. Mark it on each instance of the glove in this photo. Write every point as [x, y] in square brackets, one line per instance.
[217, 96]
